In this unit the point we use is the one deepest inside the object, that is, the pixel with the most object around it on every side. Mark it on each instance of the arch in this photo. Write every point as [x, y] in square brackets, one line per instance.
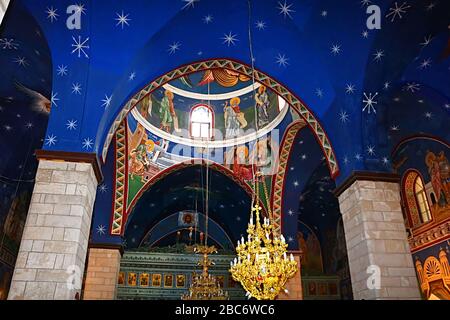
[118, 221]
[242, 68]
[200, 227]
[278, 182]
[412, 204]
[418, 137]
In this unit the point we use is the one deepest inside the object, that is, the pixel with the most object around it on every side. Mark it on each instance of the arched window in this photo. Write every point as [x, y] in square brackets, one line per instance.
[422, 201]
[416, 198]
[201, 122]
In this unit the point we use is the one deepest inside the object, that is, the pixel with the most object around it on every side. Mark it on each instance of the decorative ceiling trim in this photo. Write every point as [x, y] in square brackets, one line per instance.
[275, 86]
[214, 97]
[177, 228]
[120, 180]
[120, 212]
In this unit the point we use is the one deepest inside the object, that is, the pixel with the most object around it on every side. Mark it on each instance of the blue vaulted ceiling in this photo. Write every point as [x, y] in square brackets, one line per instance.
[318, 49]
[185, 189]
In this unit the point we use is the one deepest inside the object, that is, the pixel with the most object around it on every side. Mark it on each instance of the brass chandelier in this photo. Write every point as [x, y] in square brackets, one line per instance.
[262, 265]
[205, 286]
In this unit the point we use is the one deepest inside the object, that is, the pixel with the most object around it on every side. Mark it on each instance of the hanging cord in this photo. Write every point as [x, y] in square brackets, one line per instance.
[207, 177]
[266, 195]
[255, 197]
[195, 215]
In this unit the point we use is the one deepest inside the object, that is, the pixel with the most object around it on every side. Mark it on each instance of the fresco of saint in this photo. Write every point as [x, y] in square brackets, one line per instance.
[262, 105]
[231, 112]
[139, 160]
[438, 168]
[240, 164]
[167, 113]
[234, 118]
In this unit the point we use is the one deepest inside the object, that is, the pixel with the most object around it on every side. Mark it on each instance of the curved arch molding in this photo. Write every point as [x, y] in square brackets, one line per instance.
[243, 69]
[278, 181]
[120, 209]
[169, 225]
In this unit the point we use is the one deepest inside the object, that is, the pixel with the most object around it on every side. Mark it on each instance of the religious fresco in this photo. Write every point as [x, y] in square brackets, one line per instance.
[171, 109]
[168, 275]
[439, 173]
[145, 152]
[425, 159]
[149, 153]
[397, 93]
[309, 245]
[423, 163]
[25, 105]
[433, 271]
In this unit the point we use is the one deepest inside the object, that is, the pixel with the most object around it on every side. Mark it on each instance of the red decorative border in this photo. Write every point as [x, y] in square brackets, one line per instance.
[189, 163]
[278, 182]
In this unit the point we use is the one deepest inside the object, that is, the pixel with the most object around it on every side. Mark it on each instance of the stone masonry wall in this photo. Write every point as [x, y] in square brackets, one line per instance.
[376, 236]
[55, 239]
[102, 274]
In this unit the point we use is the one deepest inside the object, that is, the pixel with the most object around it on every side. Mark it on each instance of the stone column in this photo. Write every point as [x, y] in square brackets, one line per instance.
[3, 6]
[55, 239]
[294, 285]
[376, 238]
[103, 267]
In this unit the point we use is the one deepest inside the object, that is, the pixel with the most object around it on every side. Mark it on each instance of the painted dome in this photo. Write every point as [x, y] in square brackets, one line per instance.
[216, 106]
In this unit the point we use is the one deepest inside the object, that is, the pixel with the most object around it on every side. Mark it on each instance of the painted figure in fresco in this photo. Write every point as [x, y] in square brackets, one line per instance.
[444, 166]
[167, 113]
[263, 155]
[141, 156]
[302, 246]
[234, 118]
[146, 106]
[438, 168]
[262, 106]
[139, 161]
[240, 167]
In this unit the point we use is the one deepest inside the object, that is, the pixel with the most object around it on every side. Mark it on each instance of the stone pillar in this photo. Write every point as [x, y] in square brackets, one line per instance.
[294, 285]
[102, 273]
[55, 239]
[376, 238]
[3, 6]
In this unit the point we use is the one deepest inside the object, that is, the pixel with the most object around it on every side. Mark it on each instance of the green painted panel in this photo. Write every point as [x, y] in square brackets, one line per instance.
[156, 276]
